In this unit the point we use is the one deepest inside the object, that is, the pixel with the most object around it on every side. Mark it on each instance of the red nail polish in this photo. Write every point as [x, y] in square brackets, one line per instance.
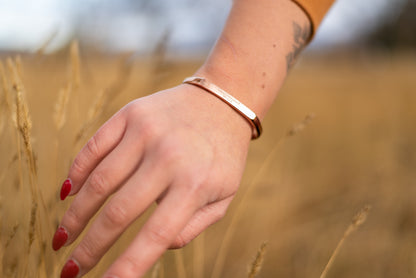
[70, 269]
[66, 188]
[59, 239]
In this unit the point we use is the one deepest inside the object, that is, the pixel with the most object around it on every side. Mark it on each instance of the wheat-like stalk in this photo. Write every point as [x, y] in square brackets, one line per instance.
[32, 225]
[24, 122]
[159, 72]
[93, 115]
[11, 107]
[75, 65]
[295, 129]
[3, 110]
[59, 114]
[11, 235]
[46, 43]
[24, 125]
[257, 263]
[356, 222]
[36, 231]
[101, 101]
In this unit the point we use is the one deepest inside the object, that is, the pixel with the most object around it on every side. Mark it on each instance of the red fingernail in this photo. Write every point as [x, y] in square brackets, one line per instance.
[66, 188]
[70, 269]
[59, 239]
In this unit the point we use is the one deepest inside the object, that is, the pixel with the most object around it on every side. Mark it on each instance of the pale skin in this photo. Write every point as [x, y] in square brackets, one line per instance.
[182, 148]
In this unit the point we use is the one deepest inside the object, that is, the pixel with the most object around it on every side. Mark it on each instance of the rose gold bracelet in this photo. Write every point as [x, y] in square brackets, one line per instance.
[243, 110]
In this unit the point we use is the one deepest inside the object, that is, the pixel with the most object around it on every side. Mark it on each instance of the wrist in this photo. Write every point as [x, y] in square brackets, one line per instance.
[231, 101]
[234, 80]
[213, 115]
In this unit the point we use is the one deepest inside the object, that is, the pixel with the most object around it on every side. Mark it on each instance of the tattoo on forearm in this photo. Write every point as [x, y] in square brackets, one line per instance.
[300, 36]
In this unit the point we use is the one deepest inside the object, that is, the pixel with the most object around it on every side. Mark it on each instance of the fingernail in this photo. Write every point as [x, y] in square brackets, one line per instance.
[59, 239]
[66, 188]
[70, 269]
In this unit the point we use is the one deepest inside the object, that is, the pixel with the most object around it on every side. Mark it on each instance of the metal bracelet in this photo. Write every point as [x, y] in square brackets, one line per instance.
[249, 115]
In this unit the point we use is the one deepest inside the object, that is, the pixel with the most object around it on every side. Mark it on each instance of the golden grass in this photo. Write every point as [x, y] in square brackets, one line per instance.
[297, 192]
[356, 222]
[257, 263]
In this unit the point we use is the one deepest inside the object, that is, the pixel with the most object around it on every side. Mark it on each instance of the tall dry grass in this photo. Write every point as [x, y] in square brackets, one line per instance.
[300, 186]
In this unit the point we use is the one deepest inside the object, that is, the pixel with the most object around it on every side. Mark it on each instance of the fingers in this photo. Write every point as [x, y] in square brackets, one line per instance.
[110, 173]
[202, 219]
[171, 216]
[102, 143]
[130, 202]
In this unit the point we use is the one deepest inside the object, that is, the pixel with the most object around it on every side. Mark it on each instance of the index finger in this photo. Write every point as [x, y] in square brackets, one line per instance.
[102, 143]
[162, 228]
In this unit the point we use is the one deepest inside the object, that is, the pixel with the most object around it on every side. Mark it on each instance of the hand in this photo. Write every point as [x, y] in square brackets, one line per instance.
[183, 148]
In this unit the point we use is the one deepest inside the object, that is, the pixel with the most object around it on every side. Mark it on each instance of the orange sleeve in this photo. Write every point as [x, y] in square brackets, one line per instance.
[316, 10]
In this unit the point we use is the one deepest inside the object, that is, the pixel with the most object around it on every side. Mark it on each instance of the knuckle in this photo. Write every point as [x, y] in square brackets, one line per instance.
[92, 147]
[179, 242]
[194, 191]
[79, 165]
[219, 214]
[159, 235]
[148, 130]
[115, 214]
[88, 250]
[97, 183]
[170, 154]
[72, 219]
[130, 264]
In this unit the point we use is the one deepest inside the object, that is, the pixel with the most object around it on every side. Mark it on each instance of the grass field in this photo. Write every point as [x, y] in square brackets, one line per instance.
[341, 135]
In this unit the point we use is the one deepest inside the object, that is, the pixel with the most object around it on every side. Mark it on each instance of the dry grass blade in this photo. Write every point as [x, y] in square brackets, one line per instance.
[160, 69]
[7, 169]
[11, 235]
[101, 101]
[46, 43]
[32, 224]
[7, 94]
[257, 263]
[356, 222]
[93, 115]
[300, 126]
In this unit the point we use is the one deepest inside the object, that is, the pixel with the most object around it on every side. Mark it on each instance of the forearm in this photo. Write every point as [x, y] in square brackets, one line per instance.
[259, 43]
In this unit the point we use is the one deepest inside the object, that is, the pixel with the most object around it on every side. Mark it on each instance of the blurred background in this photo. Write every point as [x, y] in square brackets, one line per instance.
[341, 134]
[192, 25]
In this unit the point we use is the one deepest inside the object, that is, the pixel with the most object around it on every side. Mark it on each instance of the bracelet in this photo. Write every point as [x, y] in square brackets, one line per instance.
[243, 110]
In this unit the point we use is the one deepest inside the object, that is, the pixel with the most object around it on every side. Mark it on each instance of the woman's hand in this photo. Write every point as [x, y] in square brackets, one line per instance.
[183, 148]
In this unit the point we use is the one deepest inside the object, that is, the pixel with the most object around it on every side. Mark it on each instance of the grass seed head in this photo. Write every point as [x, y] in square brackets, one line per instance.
[257, 263]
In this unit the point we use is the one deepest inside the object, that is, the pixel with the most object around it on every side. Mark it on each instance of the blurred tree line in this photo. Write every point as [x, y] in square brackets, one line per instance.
[399, 33]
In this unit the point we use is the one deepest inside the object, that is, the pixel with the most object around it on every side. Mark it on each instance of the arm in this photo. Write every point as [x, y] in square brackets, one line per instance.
[259, 44]
[181, 147]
